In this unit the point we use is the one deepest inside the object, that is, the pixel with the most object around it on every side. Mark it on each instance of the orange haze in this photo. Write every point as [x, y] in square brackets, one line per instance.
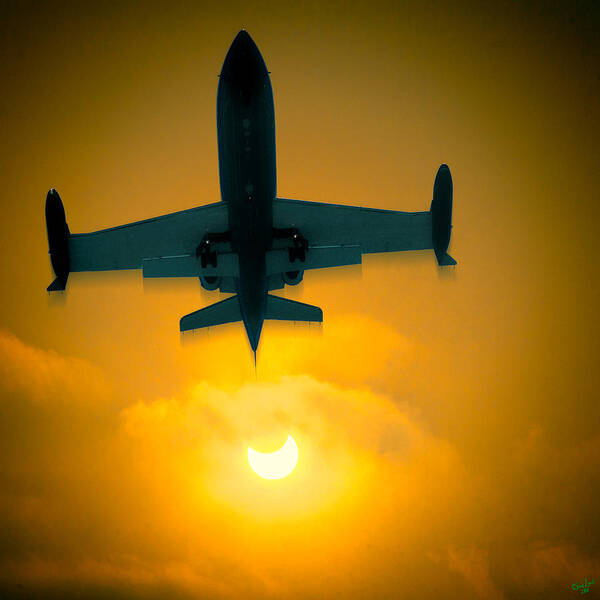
[447, 423]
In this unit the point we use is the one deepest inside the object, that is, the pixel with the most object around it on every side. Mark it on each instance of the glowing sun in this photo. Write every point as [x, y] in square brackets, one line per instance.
[274, 465]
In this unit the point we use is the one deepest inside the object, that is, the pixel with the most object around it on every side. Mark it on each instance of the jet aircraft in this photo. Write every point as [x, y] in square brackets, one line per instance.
[251, 242]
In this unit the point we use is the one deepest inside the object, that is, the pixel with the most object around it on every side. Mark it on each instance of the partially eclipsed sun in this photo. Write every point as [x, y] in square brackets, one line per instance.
[274, 465]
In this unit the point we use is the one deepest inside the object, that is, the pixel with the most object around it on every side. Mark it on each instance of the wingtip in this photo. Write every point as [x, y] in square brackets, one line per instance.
[58, 285]
[446, 261]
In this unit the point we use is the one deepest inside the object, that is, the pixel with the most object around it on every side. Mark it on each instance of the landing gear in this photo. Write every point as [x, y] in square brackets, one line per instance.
[299, 243]
[205, 252]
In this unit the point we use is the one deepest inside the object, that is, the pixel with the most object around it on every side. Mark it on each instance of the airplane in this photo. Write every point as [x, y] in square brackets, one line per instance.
[251, 242]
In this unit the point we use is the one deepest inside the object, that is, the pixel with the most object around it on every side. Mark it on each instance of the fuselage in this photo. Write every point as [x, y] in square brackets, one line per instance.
[247, 171]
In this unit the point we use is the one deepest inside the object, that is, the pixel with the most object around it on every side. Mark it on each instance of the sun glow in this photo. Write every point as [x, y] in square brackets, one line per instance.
[274, 465]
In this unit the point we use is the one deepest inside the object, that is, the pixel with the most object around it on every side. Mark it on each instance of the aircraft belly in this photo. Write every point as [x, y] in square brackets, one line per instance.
[247, 170]
[246, 135]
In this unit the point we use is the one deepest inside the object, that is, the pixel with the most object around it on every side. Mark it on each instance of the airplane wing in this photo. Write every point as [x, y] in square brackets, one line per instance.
[371, 230]
[339, 235]
[167, 242]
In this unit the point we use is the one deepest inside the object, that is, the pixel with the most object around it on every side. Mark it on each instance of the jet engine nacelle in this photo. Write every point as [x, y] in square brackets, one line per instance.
[210, 282]
[293, 277]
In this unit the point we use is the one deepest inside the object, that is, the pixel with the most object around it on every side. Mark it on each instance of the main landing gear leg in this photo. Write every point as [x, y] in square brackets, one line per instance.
[299, 242]
[204, 250]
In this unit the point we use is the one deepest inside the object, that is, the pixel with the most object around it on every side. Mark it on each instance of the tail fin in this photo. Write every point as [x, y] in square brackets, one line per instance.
[226, 311]
[290, 310]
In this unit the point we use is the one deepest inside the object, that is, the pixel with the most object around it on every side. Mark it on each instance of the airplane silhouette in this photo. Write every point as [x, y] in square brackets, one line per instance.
[251, 242]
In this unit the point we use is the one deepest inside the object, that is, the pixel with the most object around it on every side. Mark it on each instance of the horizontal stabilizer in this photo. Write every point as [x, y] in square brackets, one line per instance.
[226, 311]
[446, 261]
[283, 309]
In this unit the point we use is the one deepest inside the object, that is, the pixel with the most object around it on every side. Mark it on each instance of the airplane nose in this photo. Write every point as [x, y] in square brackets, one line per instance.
[242, 49]
[244, 66]
[243, 37]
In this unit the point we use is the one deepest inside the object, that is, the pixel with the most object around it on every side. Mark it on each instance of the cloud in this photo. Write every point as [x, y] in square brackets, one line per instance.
[348, 349]
[46, 378]
[160, 493]
[472, 564]
[154, 497]
[547, 564]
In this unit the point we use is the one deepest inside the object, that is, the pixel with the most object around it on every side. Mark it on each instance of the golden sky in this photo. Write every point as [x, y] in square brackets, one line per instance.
[447, 424]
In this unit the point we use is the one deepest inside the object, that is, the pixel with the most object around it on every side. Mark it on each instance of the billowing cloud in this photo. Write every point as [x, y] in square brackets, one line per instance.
[160, 492]
[348, 349]
[155, 496]
[473, 565]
